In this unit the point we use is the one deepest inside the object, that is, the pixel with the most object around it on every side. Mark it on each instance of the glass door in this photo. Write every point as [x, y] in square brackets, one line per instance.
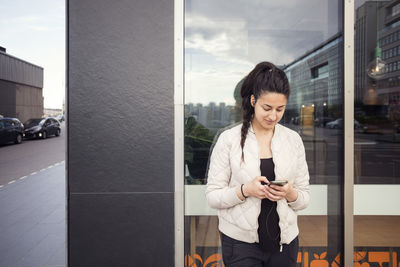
[377, 133]
[224, 40]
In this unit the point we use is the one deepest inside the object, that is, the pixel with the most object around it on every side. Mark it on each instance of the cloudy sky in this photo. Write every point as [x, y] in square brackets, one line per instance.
[225, 39]
[35, 31]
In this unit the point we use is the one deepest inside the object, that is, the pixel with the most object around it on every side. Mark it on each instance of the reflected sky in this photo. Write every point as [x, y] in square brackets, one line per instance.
[225, 39]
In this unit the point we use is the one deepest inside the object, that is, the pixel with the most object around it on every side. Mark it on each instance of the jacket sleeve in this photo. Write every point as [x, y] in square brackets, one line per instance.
[301, 182]
[218, 193]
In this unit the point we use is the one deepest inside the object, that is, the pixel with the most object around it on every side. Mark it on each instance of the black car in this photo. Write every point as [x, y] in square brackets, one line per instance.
[41, 128]
[11, 130]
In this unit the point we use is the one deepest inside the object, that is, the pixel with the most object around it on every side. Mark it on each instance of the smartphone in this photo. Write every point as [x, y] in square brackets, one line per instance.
[279, 182]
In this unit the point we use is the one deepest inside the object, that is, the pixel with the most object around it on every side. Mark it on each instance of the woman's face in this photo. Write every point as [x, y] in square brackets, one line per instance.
[268, 109]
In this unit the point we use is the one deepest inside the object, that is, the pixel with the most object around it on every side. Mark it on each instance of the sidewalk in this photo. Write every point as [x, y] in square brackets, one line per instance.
[32, 219]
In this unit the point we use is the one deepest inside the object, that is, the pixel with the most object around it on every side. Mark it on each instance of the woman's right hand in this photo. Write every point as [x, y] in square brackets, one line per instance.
[255, 188]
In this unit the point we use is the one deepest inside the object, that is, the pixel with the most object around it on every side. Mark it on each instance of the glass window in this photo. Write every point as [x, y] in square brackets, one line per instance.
[396, 9]
[8, 123]
[224, 40]
[376, 153]
[320, 72]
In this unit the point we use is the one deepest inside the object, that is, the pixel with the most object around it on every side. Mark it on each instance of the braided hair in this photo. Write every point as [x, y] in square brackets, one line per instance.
[264, 78]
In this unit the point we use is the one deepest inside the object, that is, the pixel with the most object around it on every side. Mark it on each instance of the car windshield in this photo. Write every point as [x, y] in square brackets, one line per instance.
[33, 122]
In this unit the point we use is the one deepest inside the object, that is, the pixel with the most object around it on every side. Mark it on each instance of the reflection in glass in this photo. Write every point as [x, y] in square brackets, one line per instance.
[223, 42]
[377, 137]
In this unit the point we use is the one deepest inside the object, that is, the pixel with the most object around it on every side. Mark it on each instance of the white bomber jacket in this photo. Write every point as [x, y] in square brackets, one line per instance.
[239, 219]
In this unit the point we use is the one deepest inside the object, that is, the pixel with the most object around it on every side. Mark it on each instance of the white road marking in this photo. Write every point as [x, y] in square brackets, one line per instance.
[33, 173]
[365, 143]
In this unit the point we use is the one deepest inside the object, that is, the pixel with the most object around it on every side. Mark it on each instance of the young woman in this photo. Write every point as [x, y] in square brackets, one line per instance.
[258, 219]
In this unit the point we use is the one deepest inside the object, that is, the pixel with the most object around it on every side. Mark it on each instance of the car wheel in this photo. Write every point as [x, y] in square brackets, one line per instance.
[18, 139]
[58, 132]
[44, 135]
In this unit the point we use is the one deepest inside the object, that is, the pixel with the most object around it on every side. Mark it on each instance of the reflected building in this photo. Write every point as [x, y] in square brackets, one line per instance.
[315, 76]
[315, 82]
[212, 116]
[388, 89]
[21, 88]
[377, 33]
[365, 42]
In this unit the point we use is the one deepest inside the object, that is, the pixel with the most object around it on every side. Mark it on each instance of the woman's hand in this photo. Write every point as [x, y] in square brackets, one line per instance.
[276, 192]
[254, 188]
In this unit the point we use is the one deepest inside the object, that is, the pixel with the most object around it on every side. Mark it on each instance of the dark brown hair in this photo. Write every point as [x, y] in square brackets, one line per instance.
[264, 78]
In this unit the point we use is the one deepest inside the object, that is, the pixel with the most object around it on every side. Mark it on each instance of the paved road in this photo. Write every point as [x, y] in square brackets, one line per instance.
[32, 203]
[32, 155]
[32, 220]
[376, 156]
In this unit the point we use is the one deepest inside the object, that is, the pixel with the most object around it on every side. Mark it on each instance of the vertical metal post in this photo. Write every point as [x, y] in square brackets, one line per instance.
[179, 130]
[348, 131]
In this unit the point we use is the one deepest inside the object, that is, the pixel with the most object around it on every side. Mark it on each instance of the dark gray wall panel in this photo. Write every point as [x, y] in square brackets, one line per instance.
[8, 98]
[121, 230]
[120, 133]
[120, 95]
[20, 101]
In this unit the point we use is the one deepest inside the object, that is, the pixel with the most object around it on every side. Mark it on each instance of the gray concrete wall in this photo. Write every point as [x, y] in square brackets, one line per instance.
[20, 101]
[7, 99]
[120, 136]
[29, 102]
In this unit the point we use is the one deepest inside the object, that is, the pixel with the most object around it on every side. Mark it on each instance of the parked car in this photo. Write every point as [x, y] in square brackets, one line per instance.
[11, 130]
[60, 118]
[338, 124]
[371, 128]
[42, 128]
[322, 121]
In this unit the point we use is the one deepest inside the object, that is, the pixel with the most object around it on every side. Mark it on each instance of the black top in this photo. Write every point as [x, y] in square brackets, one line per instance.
[268, 220]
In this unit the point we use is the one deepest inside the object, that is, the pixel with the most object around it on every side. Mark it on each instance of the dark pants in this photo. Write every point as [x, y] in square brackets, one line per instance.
[236, 253]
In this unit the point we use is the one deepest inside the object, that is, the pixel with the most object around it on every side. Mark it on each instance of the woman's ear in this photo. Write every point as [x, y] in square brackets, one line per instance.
[252, 101]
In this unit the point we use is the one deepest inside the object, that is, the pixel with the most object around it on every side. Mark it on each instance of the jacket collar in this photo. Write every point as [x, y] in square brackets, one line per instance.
[275, 144]
[276, 130]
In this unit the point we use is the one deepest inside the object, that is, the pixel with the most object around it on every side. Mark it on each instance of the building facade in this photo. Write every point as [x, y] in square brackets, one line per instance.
[388, 89]
[21, 88]
[163, 79]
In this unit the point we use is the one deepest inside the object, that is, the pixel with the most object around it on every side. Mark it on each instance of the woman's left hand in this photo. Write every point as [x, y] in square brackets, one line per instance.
[276, 192]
